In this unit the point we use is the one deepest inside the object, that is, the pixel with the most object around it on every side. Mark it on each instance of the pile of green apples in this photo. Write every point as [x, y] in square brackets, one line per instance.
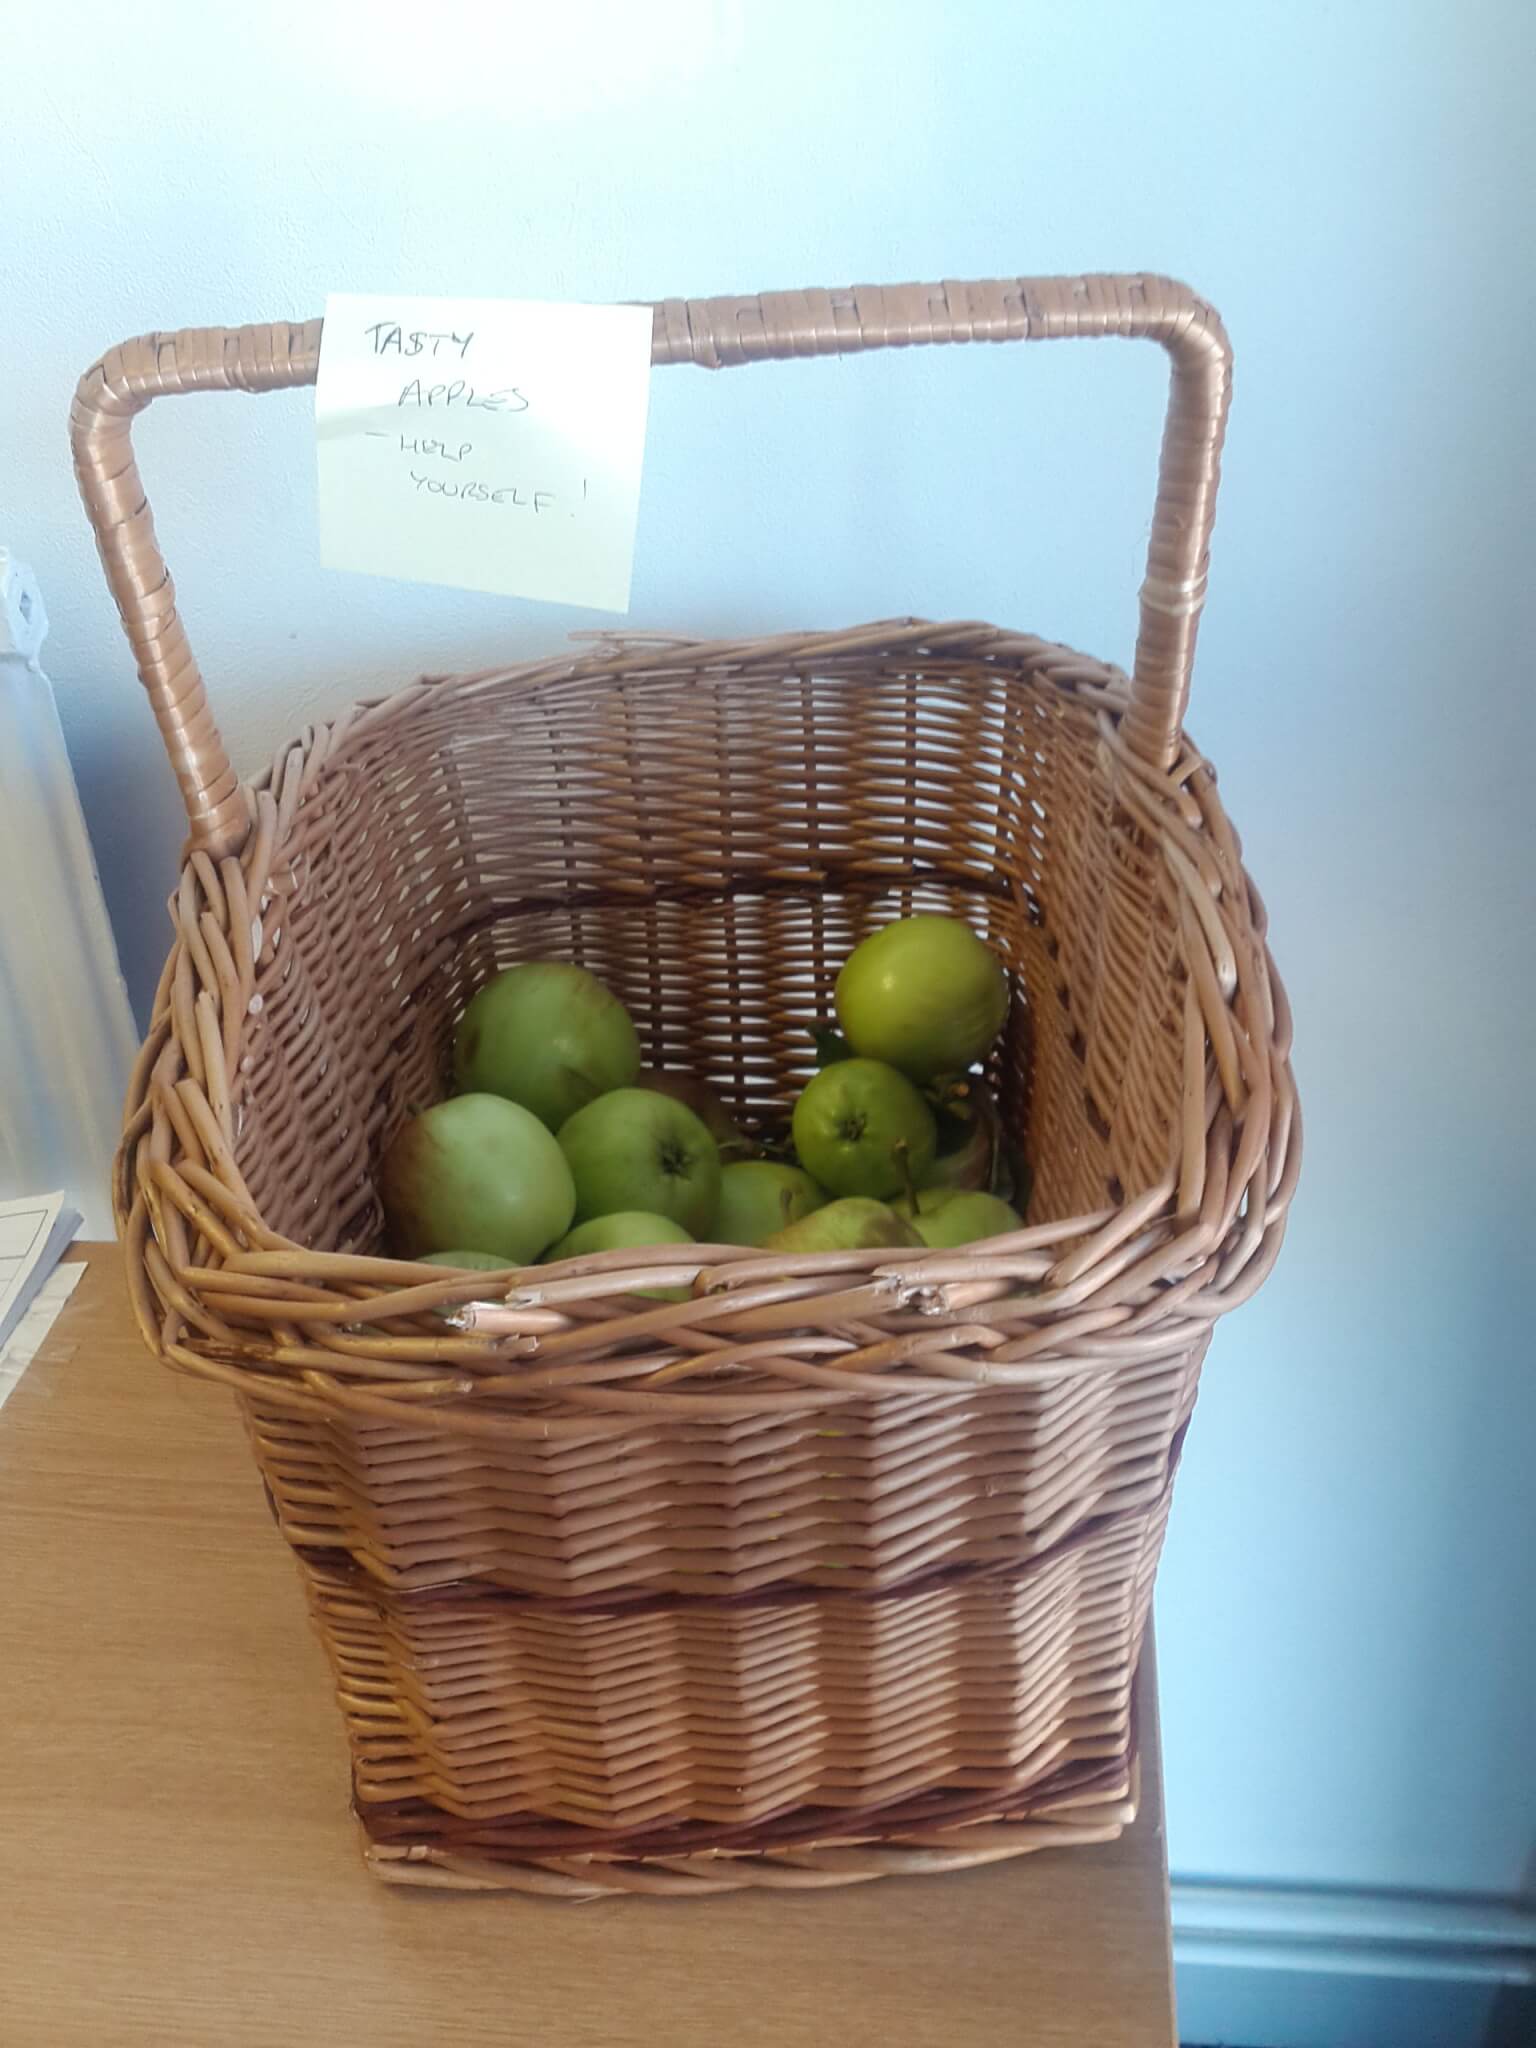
[559, 1143]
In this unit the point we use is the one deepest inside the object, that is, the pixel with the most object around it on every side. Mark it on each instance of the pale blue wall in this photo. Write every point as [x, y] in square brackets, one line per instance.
[1346, 1614]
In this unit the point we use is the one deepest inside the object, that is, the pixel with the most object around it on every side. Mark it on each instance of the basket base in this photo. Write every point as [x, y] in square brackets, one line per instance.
[1096, 1814]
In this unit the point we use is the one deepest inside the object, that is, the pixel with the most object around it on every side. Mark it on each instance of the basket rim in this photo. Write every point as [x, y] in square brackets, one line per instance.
[220, 1295]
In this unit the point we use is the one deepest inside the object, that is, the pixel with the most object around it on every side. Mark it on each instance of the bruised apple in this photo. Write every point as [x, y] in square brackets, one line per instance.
[476, 1173]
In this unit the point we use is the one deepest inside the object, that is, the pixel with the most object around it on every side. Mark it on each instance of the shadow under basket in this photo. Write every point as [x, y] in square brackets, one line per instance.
[839, 1565]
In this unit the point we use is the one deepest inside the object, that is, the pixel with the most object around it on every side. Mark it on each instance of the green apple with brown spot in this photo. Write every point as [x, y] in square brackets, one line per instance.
[476, 1173]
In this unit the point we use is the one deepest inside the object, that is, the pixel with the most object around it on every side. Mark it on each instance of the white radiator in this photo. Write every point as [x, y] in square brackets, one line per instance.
[67, 1037]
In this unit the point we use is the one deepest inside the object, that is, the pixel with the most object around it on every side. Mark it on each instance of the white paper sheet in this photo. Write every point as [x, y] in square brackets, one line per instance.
[490, 444]
[33, 1232]
[26, 1340]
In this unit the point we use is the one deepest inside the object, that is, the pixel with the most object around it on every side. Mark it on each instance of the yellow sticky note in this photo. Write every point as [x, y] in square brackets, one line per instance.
[491, 444]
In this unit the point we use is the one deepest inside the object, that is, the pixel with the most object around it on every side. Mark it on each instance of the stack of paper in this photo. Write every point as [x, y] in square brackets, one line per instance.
[33, 1233]
[26, 1340]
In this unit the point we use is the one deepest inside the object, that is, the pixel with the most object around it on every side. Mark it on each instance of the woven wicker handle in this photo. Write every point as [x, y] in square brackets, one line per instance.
[715, 333]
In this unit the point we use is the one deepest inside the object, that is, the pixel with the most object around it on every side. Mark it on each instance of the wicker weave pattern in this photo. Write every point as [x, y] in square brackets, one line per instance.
[731, 1714]
[835, 1534]
[867, 1497]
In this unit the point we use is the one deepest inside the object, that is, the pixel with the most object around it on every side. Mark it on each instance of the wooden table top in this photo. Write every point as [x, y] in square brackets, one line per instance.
[180, 1868]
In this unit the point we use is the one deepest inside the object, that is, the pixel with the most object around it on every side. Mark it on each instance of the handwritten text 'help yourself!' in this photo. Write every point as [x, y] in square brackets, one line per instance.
[389, 338]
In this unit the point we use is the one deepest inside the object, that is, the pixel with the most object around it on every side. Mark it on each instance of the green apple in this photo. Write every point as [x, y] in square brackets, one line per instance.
[547, 1035]
[860, 1128]
[635, 1149]
[477, 1172]
[621, 1232]
[469, 1262]
[759, 1196]
[948, 1217]
[706, 1105]
[852, 1225]
[923, 994]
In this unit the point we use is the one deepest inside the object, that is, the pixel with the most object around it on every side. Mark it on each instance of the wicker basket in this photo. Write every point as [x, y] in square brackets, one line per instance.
[838, 1566]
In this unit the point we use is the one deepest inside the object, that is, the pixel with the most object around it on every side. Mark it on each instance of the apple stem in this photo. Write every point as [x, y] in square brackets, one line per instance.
[903, 1152]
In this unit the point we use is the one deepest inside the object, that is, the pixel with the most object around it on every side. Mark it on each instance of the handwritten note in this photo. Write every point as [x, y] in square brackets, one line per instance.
[491, 444]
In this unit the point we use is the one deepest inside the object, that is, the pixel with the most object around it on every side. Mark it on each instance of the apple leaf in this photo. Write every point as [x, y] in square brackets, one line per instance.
[831, 1046]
